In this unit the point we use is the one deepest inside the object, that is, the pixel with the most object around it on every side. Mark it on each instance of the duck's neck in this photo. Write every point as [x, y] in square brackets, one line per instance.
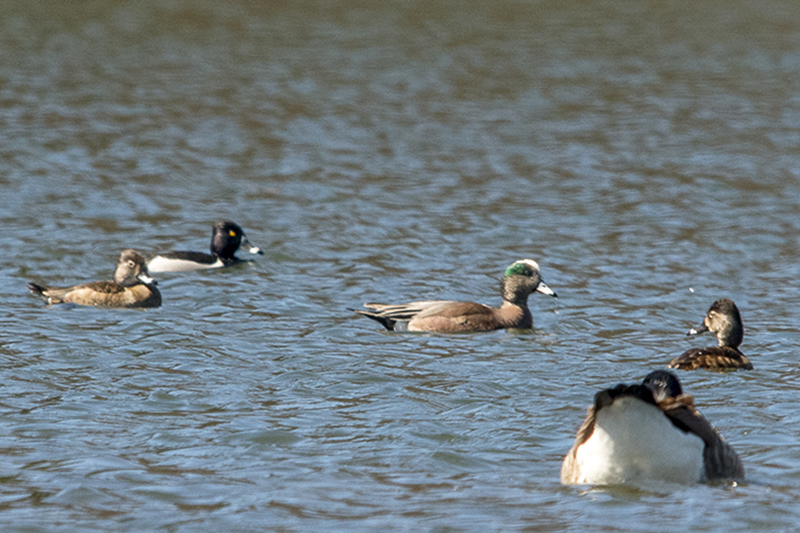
[224, 250]
[124, 279]
[515, 293]
[512, 315]
[731, 335]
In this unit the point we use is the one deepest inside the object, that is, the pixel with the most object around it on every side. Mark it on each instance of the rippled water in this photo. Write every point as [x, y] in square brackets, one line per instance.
[645, 153]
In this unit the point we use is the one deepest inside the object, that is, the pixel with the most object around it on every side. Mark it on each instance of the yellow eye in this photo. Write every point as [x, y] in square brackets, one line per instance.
[232, 233]
[131, 264]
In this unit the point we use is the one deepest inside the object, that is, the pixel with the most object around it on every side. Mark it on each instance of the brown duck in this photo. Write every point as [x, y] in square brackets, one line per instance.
[724, 320]
[132, 287]
[650, 431]
[519, 280]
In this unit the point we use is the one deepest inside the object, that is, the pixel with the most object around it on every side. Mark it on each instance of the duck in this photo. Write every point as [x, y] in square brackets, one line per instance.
[132, 287]
[226, 238]
[724, 320]
[648, 431]
[520, 279]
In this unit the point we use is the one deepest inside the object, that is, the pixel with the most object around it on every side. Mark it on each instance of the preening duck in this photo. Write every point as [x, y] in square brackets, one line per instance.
[648, 431]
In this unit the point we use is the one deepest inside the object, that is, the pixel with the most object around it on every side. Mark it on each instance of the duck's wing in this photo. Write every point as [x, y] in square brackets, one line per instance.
[716, 358]
[450, 309]
[720, 459]
[467, 317]
[103, 287]
[407, 311]
[56, 295]
[390, 314]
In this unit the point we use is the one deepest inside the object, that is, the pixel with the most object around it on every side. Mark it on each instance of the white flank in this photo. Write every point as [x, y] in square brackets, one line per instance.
[163, 264]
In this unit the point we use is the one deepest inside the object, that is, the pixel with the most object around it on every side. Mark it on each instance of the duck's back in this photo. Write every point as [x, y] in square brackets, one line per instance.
[634, 440]
[716, 358]
[101, 294]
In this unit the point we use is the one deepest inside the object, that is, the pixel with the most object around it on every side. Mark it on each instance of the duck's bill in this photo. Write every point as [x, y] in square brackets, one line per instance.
[144, 278]
[699, 329]
[248, 247]
[544, 289]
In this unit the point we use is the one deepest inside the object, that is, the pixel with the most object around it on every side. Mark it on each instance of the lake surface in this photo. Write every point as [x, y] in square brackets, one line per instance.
[645, 153]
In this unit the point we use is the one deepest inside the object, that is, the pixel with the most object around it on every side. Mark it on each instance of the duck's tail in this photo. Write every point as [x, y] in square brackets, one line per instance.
[35, 288]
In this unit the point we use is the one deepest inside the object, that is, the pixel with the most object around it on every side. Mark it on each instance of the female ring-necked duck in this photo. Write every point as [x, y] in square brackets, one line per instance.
[519, 280]
[724, 320]
[648, 431]
[226, 238]
[132, 287]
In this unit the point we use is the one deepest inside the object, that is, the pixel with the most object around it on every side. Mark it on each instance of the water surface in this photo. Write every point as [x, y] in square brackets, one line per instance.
[644, 153]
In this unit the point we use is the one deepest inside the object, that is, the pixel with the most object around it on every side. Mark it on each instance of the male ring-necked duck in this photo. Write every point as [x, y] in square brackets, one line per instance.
[724, 320]
[650, 431]
[519, 280]
[132, 287]
[226, 238]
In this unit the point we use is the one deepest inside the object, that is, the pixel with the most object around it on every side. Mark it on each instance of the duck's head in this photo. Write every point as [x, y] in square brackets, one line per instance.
[723, 320]
[131, 269]
[522, 278]
[663, 385]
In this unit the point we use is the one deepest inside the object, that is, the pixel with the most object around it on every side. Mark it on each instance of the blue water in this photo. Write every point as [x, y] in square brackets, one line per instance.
[644, 153]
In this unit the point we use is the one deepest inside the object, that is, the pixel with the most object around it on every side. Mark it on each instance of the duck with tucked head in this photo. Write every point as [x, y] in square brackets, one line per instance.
[226, 238]
[723, 319]
[132, 287]
[650, 431]
[519, 280]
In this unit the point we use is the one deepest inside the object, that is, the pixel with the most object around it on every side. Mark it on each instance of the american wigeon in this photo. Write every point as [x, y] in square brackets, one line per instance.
[724, 320]
[226, 238]
[650, 431]
[132, 287]
[519, 280]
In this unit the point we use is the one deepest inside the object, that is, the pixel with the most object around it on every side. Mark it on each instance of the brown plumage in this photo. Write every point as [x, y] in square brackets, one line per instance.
[724, 320]
[519, 280]
[132, 287]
